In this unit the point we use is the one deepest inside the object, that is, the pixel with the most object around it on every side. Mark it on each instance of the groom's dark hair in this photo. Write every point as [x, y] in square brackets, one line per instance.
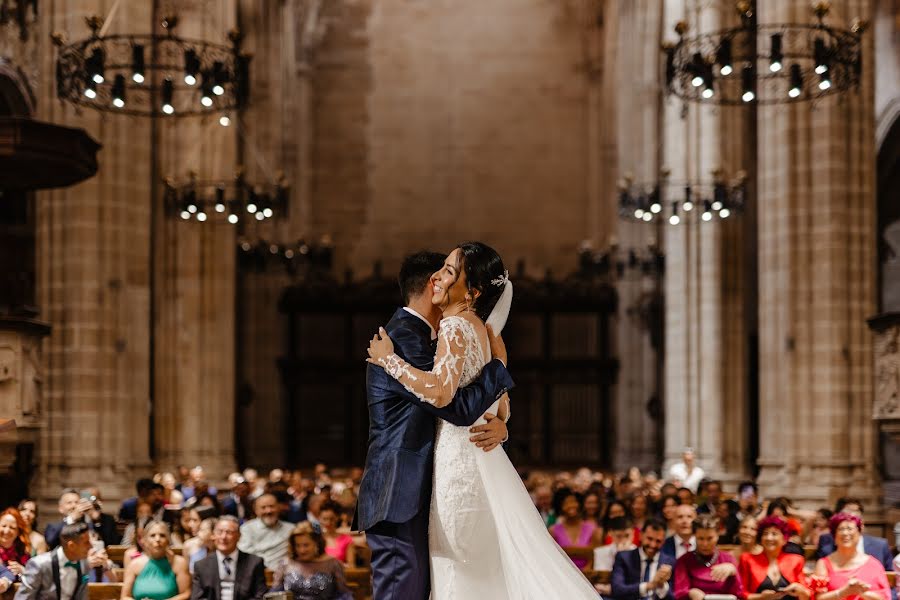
[415, 272]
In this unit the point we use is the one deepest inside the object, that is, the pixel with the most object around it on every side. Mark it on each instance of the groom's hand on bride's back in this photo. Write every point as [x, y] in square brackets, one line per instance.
[491, 434]
[498, 348]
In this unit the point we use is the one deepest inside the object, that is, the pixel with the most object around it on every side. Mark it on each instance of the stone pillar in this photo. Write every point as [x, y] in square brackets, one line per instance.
[93, 243]
[817, 284]
[632, 113]
[194, 262]
[705, 360]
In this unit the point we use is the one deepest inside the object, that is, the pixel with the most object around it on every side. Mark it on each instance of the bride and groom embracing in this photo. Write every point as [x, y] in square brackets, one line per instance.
[445, 516]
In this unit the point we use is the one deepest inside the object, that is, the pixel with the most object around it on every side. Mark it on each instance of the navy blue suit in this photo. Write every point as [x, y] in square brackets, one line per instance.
[128, 509]
[395, 492]
[626, 574]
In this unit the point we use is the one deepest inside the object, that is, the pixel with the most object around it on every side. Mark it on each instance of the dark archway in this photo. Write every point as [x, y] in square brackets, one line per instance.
[17, 218]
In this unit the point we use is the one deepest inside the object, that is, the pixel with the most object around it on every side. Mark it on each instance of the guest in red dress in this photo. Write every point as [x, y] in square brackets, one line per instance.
[849, 573]
[15, 546]
[706, 570]
[773, 574]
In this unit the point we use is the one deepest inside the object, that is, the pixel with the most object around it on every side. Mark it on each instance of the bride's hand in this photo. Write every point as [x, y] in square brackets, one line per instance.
[380, 347]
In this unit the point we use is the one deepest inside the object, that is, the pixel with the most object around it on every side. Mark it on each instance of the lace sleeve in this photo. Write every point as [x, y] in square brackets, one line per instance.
[439, 385]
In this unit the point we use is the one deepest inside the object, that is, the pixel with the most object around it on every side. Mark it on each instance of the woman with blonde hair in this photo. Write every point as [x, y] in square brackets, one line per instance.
[158, 574]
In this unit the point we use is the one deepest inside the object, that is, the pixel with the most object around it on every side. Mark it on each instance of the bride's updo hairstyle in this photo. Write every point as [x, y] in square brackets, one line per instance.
[484, 272]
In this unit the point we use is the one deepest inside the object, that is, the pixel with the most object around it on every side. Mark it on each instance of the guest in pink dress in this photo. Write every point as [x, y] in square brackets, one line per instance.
[849, 573]
[572, 529]
[706, 570]
[338, 545]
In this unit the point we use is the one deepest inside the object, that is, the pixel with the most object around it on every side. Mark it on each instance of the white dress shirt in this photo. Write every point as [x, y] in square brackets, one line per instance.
[679, 472]
[663, 590]
[226, 579]
[68, 577]
[605, 556]
[415, 314]
[682, 547]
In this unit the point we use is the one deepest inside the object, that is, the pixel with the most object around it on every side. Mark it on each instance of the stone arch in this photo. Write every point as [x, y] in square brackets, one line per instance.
[16, 97]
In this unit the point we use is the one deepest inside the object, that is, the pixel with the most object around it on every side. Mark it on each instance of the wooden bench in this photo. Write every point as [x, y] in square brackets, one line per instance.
[583, 553]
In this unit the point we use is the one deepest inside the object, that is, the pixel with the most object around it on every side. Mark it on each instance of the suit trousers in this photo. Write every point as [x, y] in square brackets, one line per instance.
[401, 569]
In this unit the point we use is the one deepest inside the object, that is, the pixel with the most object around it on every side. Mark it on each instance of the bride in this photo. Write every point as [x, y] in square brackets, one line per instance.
[486, 540]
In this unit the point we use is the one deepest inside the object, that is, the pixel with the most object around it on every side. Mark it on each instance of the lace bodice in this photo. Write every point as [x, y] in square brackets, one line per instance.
[459, 359]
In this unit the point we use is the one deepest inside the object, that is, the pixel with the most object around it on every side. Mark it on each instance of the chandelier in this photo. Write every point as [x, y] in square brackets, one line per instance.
[229, 201]
[677, 203]
[152, 74]
[765, 64]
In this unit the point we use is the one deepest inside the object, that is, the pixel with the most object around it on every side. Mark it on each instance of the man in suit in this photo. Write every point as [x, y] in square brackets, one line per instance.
[644, 573]
[395, 492]
[228, 573]
[683, 541]
[237, 503]
[147, 491]
[74, 508]
[61, 574]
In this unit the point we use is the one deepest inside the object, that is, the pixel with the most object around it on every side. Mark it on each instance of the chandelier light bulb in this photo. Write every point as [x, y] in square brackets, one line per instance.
[775, 67]
[218, 90]
[206, 101]
[185, 215]
[251, 208]
[706, 216]
[201, 216]
[748, 96]
[821, 69]
[648, 217]
[697, 81]
[118, 103]
[638, 213]
[777, 56]
[190, 80]
[90, 92]
[224, 120]
[137, 63]
[824, 84]
[726, 70]
[260, 216]
[268, 212]
[137, 78]
[688, 206]
[707, 93]
[674, 220]
[168, 109]
[192, 208]
[794, 92]
[717, 205]
[724, 213]
[98, 78]
[233, 219]
[796, 81]
[655, 208]
[220, 208]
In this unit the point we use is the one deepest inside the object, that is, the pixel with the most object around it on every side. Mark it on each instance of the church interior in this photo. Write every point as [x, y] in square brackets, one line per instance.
[204, 205]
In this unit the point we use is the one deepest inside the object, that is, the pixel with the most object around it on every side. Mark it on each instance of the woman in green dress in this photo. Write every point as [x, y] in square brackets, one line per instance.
[157, 574]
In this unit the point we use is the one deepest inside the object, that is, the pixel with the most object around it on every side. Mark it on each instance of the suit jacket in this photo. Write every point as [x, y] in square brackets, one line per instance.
[249, 578]
[626, 574]
[7, 574]
[753, 569]
[39, 580]
[668, 548]
[106, 529]
[230, 507]
[396, 483]
[128, 509]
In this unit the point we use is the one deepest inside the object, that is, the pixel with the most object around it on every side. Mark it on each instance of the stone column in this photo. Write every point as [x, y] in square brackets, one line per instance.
[93, 243]
[194, 262]
[817, 285]
[632, 113]
[705, 361]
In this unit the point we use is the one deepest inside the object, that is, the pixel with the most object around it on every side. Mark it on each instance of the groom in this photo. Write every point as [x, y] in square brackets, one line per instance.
[395, 493]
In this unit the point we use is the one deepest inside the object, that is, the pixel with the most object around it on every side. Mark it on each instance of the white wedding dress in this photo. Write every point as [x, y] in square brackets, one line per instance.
[486, 539]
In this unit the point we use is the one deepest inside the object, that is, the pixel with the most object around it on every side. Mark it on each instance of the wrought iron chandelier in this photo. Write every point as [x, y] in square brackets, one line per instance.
[230, 201]
[153, 74]
[765, 64]
[677, 203]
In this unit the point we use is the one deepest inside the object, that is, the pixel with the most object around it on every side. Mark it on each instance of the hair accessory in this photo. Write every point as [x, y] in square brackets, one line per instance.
[501, 281]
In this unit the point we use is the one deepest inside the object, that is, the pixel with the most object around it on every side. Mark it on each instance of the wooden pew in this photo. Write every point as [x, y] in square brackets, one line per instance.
[360, 583]
[584, 553]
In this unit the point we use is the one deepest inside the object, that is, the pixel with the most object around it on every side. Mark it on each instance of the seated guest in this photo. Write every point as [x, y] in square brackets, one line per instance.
[60, 574]
[309, 573]
[644, 571]
[773, 570]
[747, 537]
[683, 540]
[543, 502]
[592, 508]
[74, 507]
[873, 546]
[620, 531]
[712, 497]
[728, 523]
[818, 526]
[338, 545]
[237, 504]
[686, 496]
[616, 509]
[147, 491]
[15, 547]
[638, 510]
[185, 527]
[131, 537]
[748, 500]
[157, 574]
[572, 530]
[227, 573]
[667, 507]
[847, 573]
[780, 507]
[706, 570]
[266, 535]
[28, 510]
[171, 495]
[197, 548]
